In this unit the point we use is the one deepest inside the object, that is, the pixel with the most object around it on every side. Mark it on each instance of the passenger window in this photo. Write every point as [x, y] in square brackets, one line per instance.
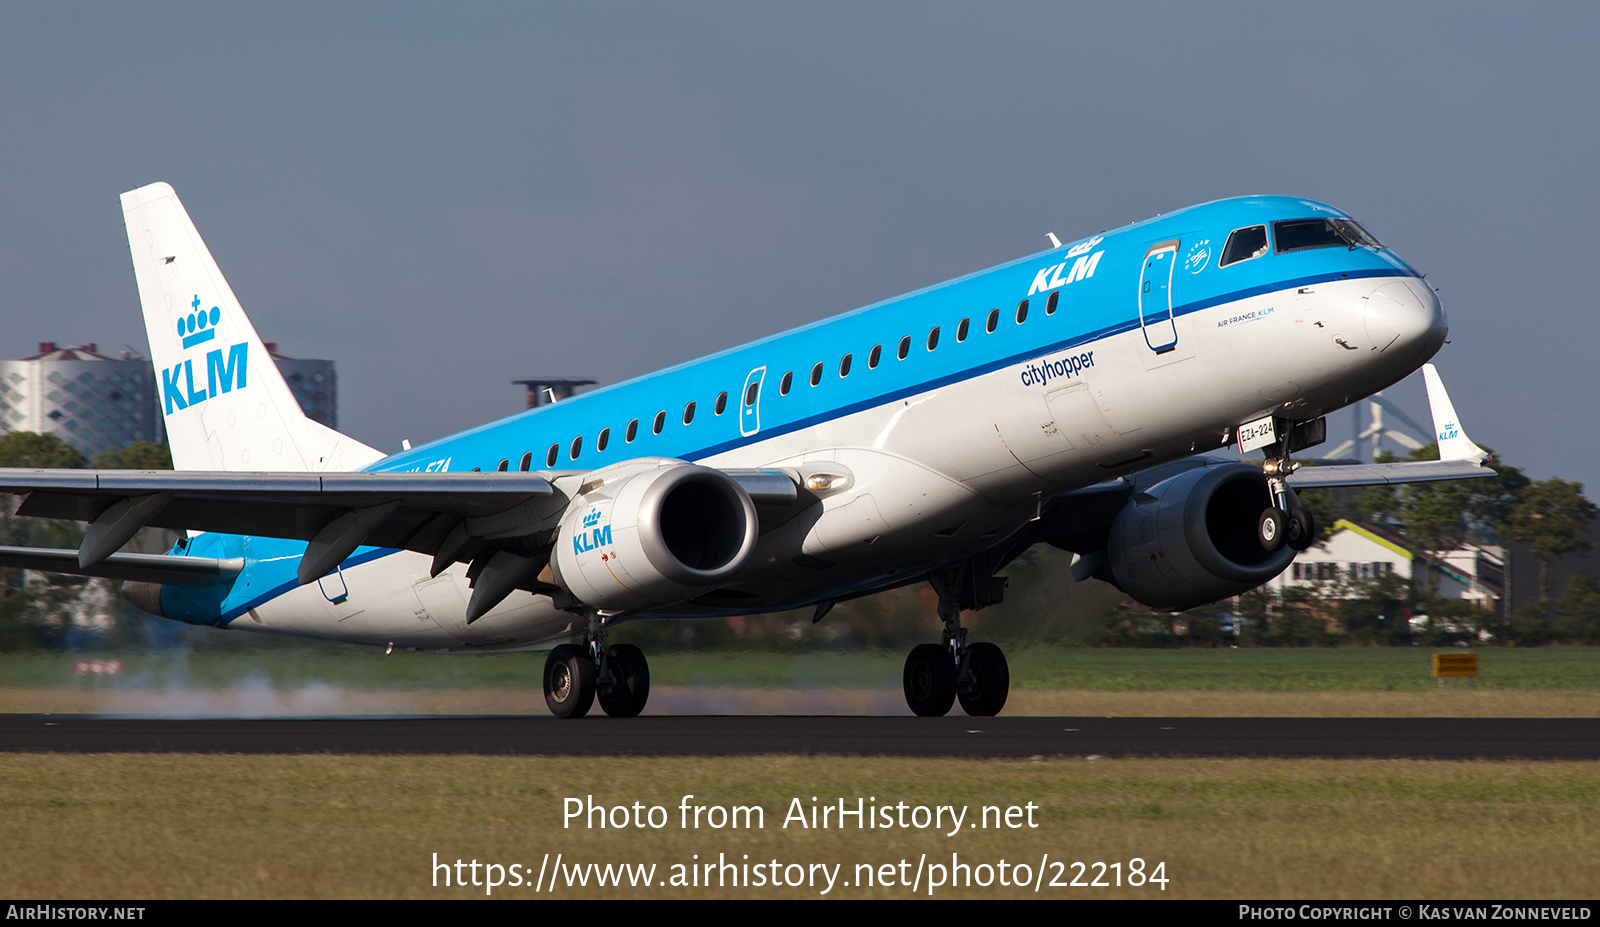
[961, 331]
[873, 355]
[749, 394]
[504, 466]
[844, 366]
[1022, 312]
[1244, 244]
[785, 383]
[551, 455]
[688, 413]
[659, 423]
[992, 322]
[527, 462]
[722, 403]
[905, 347]
[632, 432]
[577, 446]
[604, 439]
[816, 374]
[933, 338]
[1050, 304]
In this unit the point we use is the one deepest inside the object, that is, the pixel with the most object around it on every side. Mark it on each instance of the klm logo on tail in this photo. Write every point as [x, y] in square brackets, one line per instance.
[223, 371]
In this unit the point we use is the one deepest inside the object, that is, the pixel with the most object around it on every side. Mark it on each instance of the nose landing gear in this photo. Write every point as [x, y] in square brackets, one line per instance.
[1284, 521]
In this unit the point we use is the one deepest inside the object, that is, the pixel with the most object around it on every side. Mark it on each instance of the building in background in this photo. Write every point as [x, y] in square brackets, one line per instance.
[314, 383]
[93, 402]
[98, 403]
[1354, 552]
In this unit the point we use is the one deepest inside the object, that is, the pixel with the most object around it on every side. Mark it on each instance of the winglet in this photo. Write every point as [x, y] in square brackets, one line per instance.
[1453, 441]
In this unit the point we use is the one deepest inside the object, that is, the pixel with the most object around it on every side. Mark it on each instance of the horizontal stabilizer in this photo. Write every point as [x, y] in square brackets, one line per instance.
[148, 568]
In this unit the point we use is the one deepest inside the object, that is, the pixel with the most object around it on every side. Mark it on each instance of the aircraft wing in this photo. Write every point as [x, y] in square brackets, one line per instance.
[336, 512]
[286, 505]
[449, 515]
[1410, 471]
[1459, 457]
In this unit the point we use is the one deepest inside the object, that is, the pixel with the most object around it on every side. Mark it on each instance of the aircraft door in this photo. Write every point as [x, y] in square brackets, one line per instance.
[1155, 297]
[750, 402]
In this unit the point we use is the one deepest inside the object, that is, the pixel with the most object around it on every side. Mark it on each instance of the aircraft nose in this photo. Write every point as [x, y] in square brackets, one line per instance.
[1405, 316]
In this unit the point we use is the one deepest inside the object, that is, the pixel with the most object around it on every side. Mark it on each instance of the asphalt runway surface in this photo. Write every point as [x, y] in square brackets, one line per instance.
[1431, 738]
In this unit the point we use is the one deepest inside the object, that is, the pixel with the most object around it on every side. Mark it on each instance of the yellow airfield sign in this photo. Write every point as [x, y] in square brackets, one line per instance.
[1455, 664]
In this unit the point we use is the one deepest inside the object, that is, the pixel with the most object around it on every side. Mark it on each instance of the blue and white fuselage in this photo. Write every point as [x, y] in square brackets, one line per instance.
[931, 426]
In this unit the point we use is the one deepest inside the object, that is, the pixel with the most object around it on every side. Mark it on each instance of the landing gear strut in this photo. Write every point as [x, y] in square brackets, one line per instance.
[1284, 521]
[936, 675]
[618, 675]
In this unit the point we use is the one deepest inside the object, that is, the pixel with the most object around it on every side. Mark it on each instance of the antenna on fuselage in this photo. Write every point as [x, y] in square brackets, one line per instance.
[1054, 241]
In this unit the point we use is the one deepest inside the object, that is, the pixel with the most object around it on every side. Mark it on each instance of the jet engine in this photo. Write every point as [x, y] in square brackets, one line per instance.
[1191, 539]
[653, 538]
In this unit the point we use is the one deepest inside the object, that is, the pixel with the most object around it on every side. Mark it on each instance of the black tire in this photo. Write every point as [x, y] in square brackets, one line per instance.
[1270, 529]
[1300, 531]
[930, 681]
[627, 696]
[985, 695]
[569, 681]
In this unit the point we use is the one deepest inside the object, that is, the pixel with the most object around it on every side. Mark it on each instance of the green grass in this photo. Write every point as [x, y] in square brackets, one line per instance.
[152, 826]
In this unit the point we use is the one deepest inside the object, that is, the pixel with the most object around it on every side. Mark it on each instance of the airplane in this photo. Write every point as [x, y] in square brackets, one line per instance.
[1070, 397]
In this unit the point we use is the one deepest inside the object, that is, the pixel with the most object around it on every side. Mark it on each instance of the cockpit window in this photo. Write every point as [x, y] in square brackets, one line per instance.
[1305, 234]
[1244, 244]
[1358, 234]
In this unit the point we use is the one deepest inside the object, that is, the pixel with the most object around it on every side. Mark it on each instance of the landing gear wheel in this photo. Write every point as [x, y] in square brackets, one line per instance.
[1300, 531]
[1270, 528]
[569, 681]
[985, 695]
[930, 680]
[625, 697]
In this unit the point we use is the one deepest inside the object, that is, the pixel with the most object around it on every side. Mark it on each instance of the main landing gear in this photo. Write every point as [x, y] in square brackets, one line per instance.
[575, 676]
[1284, 520]
[937, 675]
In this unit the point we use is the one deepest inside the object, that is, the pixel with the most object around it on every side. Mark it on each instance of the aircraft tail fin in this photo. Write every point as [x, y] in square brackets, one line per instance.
[226, 405]
[1453, 441]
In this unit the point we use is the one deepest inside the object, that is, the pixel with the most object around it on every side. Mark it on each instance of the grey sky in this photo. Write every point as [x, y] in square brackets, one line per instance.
[440, 199]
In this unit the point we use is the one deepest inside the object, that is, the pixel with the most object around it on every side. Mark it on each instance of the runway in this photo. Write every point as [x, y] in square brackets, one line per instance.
[1023, 737]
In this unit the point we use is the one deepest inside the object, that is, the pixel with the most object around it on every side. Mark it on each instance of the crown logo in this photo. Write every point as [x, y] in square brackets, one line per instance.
[199, 326]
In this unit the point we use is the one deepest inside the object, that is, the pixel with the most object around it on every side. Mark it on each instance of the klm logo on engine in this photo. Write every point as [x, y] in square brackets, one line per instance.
[594, 536]
[1082, 268]
[223, 369]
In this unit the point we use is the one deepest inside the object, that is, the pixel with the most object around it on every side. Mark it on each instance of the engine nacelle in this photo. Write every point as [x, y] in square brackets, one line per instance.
[1191, 539]
[654, 538]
